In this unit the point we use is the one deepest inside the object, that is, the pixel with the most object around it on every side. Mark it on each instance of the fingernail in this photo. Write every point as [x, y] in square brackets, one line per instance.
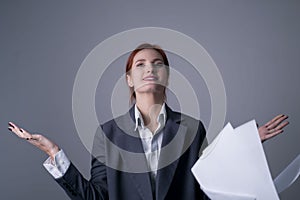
[10, 129]
[27, 138]
[21, 130]
[10, 124]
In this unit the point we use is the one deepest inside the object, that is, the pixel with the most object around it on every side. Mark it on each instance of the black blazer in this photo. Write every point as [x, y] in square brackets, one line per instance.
[117, 176]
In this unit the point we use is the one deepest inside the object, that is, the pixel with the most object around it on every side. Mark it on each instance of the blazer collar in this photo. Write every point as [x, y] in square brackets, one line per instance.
[171, 115]
[139, 121]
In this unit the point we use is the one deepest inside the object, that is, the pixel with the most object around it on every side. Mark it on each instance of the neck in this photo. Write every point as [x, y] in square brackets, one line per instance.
[149, 106]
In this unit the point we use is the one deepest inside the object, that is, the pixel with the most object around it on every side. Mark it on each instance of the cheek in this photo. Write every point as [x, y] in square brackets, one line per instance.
[164, 76]
[136, 76]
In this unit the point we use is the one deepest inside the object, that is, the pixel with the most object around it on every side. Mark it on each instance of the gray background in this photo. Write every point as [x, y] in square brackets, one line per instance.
[255, 44]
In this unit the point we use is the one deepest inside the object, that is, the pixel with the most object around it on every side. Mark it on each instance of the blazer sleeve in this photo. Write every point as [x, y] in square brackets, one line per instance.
[77, 187]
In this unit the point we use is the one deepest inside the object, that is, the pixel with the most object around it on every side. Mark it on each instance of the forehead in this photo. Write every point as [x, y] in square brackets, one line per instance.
[147, 54]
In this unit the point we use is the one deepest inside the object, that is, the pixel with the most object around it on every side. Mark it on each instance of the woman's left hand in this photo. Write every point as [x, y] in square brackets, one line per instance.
[273, 127]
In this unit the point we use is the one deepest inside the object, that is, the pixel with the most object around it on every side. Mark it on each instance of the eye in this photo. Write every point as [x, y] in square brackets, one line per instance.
[158, 64]
[140, 65]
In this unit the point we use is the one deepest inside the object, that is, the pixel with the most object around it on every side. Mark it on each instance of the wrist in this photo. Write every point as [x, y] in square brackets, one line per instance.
[53, 151]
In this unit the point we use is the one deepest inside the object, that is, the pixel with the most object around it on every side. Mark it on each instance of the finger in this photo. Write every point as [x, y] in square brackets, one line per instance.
[16, 130]
[282, 125]
[12, 124]
[272, 132]
[36, 137]
[268, 136]
[279, 127]
[274, 119]
[277, 121]
[22, 133]
[26, 134]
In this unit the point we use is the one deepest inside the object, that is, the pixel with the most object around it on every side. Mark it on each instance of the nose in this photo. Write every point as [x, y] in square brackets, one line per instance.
[150, 68]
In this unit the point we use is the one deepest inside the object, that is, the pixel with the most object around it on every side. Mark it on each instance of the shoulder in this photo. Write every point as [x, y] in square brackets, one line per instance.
[184, 119]
[122, 120]
[195, 130]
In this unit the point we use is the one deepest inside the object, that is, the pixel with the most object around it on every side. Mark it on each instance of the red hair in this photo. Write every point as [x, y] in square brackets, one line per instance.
[130, 62]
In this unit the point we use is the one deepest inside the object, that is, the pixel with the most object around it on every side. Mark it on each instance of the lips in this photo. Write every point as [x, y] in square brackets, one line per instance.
[150, 78]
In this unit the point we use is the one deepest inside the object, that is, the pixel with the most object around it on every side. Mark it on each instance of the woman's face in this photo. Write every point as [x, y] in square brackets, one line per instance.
[148, 72]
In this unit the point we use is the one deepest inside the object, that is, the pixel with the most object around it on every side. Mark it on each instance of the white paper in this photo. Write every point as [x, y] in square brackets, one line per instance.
[235, 164]
[217, 195]
[288, 176]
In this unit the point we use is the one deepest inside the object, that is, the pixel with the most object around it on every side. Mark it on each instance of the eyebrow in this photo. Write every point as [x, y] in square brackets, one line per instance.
[156, 59]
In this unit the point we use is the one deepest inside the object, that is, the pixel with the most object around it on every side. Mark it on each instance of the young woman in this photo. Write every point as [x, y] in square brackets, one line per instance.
[148, 128]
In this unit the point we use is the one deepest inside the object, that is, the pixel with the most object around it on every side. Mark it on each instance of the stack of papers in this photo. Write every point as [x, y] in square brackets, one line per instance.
[234, 166]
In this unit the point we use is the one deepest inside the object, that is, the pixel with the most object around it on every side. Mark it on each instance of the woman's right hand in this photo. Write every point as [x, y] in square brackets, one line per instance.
[37, 140]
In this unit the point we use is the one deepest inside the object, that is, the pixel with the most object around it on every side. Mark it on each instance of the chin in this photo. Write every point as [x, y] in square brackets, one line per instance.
[151, 88]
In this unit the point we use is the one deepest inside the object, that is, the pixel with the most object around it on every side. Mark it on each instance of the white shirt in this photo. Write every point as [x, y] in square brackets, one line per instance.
[151, 144]
[57, 167]
[151, 141]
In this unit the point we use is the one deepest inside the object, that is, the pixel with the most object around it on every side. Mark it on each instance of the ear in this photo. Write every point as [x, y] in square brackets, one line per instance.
[129, 80]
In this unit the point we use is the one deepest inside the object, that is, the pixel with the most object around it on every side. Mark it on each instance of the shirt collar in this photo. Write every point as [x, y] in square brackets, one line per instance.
[161, 118]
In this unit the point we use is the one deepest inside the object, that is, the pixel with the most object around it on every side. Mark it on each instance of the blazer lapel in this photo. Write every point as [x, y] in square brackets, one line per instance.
[172, 147]
[140, 177]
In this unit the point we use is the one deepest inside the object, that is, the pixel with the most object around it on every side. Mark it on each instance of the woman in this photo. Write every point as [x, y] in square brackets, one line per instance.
[148, 127]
